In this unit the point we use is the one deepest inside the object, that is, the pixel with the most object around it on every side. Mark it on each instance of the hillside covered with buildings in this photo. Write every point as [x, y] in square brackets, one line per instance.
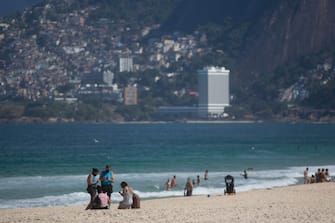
[123, 60]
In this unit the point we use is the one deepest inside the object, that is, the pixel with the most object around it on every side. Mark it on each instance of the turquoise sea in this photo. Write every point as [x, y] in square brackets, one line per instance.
[47, 164]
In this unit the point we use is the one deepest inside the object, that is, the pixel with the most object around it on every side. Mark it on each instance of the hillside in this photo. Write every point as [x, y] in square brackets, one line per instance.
[12, 6]
[280, 54]
[294, 29]
[277, 31]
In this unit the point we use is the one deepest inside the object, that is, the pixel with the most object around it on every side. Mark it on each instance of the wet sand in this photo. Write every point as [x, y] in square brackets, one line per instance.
[301, 203]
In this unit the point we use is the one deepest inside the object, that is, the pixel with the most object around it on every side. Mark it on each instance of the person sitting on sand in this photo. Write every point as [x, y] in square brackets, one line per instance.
[312, 180]
[127, 194]
[188, 187]
[92, 182]
[101, 201]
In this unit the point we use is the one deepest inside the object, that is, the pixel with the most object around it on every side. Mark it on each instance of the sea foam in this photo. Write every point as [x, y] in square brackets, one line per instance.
[45, 191]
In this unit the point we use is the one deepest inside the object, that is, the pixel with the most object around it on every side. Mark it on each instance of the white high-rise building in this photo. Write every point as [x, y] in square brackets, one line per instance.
[126, 64]
[213, 91]
[108, 77]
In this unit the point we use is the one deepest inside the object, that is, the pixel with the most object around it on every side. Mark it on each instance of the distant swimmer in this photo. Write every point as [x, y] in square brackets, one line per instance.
[206, 175]
[95, 140]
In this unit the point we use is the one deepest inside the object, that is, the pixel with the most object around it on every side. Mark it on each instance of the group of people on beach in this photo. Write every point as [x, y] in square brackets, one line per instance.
[171, 183]
[100, 188]
[188, 189]
[321, 175]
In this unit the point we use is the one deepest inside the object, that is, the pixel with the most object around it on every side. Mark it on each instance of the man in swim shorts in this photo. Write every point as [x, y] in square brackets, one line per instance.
[107, 180]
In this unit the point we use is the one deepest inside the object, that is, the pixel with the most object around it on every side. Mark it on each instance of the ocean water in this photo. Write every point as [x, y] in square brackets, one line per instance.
[47, 164]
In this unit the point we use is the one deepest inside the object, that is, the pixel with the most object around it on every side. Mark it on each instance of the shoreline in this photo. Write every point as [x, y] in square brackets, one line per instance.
[7, 122]
[296, 203]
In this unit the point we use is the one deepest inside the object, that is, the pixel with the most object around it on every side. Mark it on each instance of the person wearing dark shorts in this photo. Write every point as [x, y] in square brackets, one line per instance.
[107, 180]
[92, 182]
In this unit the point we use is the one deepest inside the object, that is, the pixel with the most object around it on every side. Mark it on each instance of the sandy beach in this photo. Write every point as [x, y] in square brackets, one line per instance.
[301, 203]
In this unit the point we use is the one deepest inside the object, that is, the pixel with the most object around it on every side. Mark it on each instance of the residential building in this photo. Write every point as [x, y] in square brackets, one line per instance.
[108, 77]
[126, 64]
[213, 85]
[130, 95]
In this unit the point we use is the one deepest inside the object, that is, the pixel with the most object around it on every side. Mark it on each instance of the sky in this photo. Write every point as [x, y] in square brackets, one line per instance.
[8, 7]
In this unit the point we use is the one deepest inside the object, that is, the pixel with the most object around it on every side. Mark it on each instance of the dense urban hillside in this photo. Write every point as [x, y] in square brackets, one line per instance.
[10, 7]
[280, 53]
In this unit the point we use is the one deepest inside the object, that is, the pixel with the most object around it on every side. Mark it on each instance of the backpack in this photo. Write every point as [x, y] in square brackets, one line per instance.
[136, 201]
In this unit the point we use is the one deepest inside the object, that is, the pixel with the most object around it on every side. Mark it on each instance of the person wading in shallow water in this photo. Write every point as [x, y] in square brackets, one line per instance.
[188, 187]
[206, 175]
[245, 174]
[174, 181]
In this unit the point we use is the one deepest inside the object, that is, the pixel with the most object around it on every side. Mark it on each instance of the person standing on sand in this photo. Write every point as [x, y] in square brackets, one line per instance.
[107, 180]
[306, 179]
[92, 183]
[327, 175]
[206, 175]
[323, 176]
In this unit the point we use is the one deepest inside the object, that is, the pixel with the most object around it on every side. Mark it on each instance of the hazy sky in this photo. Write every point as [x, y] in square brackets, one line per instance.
[8, 7]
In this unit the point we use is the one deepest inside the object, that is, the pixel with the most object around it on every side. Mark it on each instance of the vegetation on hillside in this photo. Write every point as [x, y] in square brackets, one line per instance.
[305, 84]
